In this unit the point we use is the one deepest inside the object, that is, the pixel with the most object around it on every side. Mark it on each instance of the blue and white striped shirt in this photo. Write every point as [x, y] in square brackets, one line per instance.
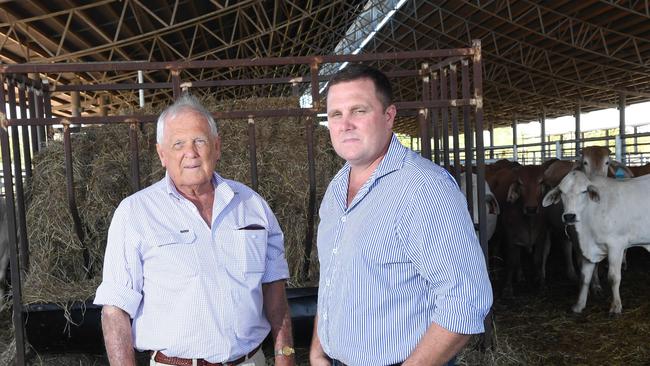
[404, 254]
[193, 291]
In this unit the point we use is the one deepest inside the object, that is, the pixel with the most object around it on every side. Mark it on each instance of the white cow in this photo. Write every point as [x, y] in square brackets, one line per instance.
[491, 204]
[609, 216]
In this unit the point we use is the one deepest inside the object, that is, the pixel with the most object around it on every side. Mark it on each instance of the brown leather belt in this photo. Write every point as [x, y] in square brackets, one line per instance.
[177, 361]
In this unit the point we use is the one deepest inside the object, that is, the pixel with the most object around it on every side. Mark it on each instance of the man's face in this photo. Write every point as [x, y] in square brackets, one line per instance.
[360, 127]
[189, 152]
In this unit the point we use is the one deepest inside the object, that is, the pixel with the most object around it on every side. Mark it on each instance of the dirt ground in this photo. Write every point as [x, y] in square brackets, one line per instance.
[531, 329]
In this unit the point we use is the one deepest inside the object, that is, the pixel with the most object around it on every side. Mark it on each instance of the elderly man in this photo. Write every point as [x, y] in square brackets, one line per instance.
[195, 260]
[403, 279]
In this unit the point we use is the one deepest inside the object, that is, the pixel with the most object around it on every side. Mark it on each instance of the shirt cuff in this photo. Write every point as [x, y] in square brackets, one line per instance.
[459, 317]
[122, 297]
[276, 269]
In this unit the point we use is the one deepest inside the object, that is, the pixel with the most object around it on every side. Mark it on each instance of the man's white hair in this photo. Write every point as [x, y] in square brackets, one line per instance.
[184, 103]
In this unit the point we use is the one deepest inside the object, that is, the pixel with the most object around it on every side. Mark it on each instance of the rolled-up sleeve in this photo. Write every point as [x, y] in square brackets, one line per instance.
[276, 262]
[441, 242]
[122, 274]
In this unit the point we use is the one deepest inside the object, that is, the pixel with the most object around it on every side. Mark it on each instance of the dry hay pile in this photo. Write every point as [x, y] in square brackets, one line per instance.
[539, 328]
[101, 166]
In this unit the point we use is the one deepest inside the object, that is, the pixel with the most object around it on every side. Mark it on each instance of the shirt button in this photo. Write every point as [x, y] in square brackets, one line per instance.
[343, 219]
[325, 316]
[327, 283]
[334, 251]
[254, 236]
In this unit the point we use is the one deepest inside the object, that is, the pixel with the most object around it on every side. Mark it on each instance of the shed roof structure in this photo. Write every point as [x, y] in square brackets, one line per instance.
[549, 56]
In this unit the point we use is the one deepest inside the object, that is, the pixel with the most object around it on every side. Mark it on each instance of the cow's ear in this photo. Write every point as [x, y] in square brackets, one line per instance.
[593, 193]
[493, 204]
[513, 192]
[553, 196]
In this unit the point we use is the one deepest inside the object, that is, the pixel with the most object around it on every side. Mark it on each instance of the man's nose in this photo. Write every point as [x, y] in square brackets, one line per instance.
[190, 149]
[347, 123]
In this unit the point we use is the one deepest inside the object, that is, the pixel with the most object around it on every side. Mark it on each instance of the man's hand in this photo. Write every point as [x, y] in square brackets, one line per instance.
[317, 356]
[276, 310]
[436, 347]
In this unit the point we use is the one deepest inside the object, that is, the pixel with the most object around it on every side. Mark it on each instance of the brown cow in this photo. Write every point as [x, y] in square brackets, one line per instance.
[523, 224]
[640, 170]
[595, 161]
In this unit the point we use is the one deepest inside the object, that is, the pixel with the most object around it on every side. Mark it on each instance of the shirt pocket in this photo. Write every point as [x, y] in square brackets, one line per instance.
[251, 247]
[176, 252]
[384, 255]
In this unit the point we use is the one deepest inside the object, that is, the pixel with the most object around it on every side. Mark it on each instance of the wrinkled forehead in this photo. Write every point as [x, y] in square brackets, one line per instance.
[574, 182]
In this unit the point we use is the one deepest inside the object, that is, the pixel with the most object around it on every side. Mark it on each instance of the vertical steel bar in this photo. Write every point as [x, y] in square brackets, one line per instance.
[514, 137]
[491, 139]
[423, 114]
[435, 120]
[621, 125]
[40, 113]
[477, 69]
[578, 142]
[252, 152]
[467, 132]
[453, 90]
[135, 156]
[18, 182]
[16, 282]
[72, 203]
[176, 83]
[24, 130]
[47, 105]
[309, 125]
[542, 124]
[31, 96]
[445, 123]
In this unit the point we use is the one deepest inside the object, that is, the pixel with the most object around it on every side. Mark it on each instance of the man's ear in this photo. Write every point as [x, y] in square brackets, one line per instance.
[161, 155]
[391, 112]
[217, 147]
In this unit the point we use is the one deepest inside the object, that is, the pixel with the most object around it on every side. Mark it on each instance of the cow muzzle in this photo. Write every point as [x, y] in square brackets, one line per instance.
[569, 218]
[530, 210]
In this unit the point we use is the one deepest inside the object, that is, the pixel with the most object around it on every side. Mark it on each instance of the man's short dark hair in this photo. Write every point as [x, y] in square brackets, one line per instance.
[359, 71]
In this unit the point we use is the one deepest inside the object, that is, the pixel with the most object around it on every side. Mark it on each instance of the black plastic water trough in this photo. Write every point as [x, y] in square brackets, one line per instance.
[48, 331]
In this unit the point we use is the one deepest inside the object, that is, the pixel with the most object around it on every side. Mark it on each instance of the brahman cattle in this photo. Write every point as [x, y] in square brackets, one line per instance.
[640, 170]
[523, 225]
[609, 216]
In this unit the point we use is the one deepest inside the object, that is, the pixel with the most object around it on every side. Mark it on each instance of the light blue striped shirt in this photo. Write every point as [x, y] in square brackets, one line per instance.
[193, 291]
[404, 254]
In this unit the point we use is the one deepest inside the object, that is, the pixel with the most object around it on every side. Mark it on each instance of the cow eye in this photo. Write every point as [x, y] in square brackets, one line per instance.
[607, 163]
[585, 163]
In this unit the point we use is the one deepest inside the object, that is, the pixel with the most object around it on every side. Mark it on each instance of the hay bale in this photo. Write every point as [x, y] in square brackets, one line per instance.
[101, 167]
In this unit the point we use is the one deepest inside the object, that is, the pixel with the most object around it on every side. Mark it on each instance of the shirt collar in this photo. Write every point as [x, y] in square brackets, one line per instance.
[173, 191]
[392, 161]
